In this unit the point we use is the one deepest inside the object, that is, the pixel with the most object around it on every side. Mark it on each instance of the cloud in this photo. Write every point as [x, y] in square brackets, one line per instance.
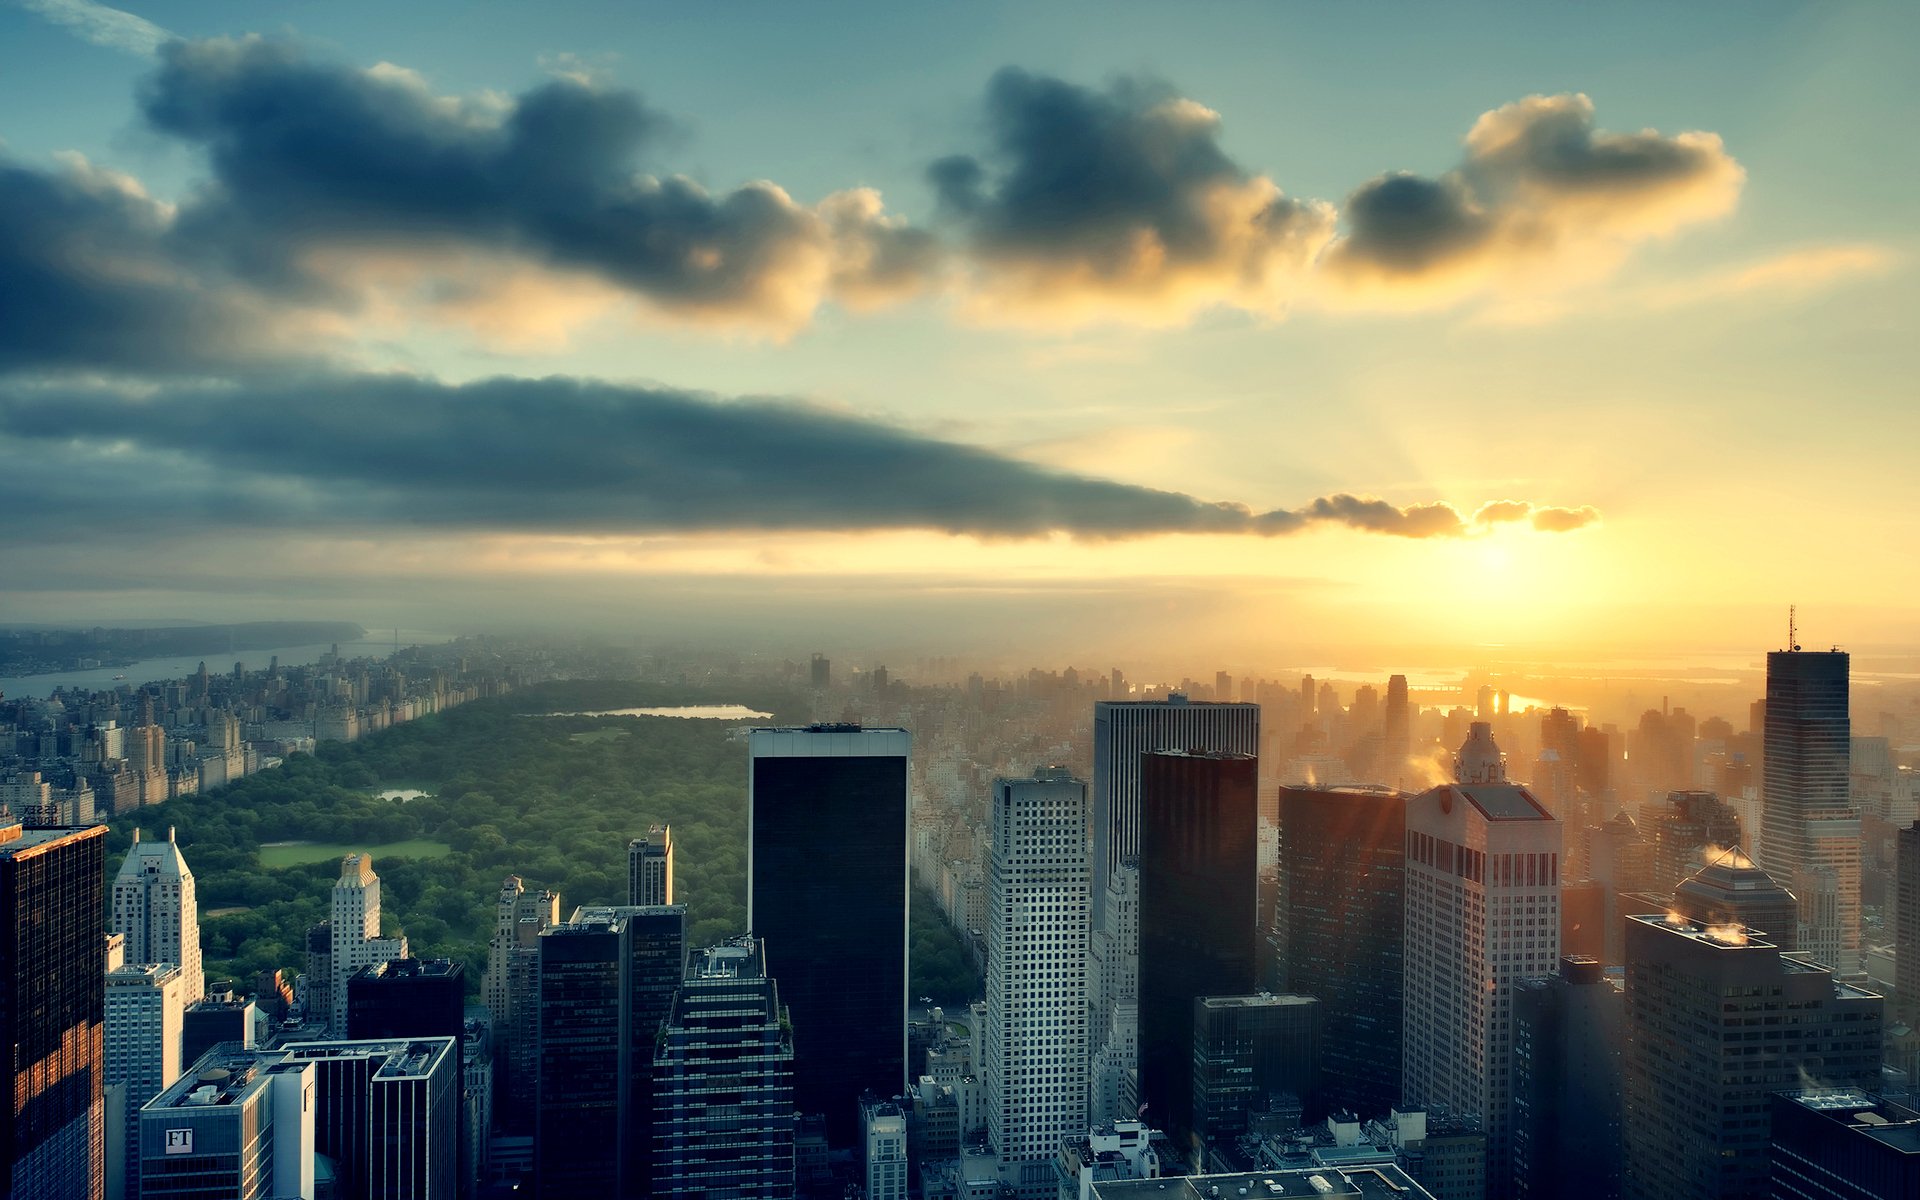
[1785, 275]
[103, 26]
[88, 281]
[1118, 204]
[1496, 512]
[1561, 520]
[315, 163]
[1541, 197]
[561, 455]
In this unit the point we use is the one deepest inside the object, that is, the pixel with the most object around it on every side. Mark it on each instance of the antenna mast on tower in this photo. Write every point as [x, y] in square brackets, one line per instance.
[1793, 634]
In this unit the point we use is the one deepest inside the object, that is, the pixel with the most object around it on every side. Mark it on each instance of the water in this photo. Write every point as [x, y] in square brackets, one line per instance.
[710, 712]
[378, 644]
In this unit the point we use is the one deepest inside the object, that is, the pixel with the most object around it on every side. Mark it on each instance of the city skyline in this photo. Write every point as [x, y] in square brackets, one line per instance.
[1077, 319]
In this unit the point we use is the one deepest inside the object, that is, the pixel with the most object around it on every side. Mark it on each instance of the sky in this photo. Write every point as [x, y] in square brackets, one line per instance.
[1226, 329]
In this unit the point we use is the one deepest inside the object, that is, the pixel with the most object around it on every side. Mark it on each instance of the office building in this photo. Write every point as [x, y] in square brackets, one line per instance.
[1842, 1145]
[387, 1112]
[1109, 1153]
[1199, 904]
[1569, 1036]
[407, 997]
[512, 992]
[1688, 825]
[1113, 1010]
[239, 1126]
[1372, 1182]
[830, 801]
[355, 934]
[1482, 913]
[606, 982]
[723, 1070]
[1034, 1047]
[145, 1016]
[885, 1125]
[53, 1010]
[1717, 1019]
[1252, 1055]
[650, 867]
[1906, 923]
[1396, 726]
[223, 1017]
[155, 907]
[1731, 890]
[1808, 823]
[1338, 933]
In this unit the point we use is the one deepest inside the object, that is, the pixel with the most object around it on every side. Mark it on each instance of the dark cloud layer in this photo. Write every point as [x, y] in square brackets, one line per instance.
[563, 455]
[313, 160]
[1120, 197]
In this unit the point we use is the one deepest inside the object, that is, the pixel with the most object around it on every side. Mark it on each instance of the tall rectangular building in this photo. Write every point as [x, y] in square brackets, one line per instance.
[650, 867]
[1123, 731]
[240, 1127]
[1199, 908]
[355, 933]
[1808, 823]
[145, 1022]
[387, 1111]
[827, 897]
[1034, 1047]
[512, 992]
[1717, 1019]
[1482, 912]
[1569, 1037]
[724, 1127]
[1842, 1145]
[53, 1010]
[1907, 923]
[1338, 927]
[1250, 1054]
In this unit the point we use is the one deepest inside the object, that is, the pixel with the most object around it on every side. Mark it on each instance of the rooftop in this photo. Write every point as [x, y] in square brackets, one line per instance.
[1502, 801]
[1259, 1000]
[405, 1058]
[1885, 1122]
[1384, 1182]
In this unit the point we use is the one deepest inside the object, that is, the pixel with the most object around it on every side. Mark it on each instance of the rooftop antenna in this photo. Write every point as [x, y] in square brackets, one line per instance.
[1793, 634]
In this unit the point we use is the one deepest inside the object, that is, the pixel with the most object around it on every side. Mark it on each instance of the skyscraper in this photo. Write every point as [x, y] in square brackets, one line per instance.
[1123, 730]
[52, 1010]
[650, 867]
[1342, 876]
[1568, 1036]
[1482, 912]
[829, 802]
[512, 992]
[241, 1126]
[1199, 904]
[387, 1111]
[356, 940]
[1697, 1081]
[1808, 824]
[1907, 923]
[1730, 890]
[154, 905]
[1251, 1053]
[1034, 1047]
[1396, 729]
[724, 1128]
[145, 1019]
[1689, 822]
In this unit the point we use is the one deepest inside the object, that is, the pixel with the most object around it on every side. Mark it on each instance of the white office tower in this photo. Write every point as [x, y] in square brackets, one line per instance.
[1123, 730]
[1113, 992]
[1034, 1048]
[154, 907]
[356, 932]
[145, 1016]
[1482, 911]
[886, 1152]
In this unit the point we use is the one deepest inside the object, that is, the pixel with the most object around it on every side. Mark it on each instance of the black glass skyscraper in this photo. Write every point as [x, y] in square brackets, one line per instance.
[1199, 904]
[53, 998]
[1338, 923]
[827, 897]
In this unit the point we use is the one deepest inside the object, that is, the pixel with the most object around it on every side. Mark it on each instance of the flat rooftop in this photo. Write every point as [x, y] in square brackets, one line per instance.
[1502, 801]
[1890, 1124]
[1382, 1182]
[404, 1058]
[1260, 1000]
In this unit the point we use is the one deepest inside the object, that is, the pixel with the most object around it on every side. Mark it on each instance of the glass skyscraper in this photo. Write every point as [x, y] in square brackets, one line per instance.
[1810, 835]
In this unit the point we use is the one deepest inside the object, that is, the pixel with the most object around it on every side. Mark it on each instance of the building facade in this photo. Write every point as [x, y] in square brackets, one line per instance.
[831, 800]
[1338, 933]
[512, 993]
[240, 1127]
[1482, 912]
[145, 1020]
[355, 934]
[1809, 826]
[1034, 1046]
[650, 867]
[387, 1111]
[1569, 1039]
[1252, 1055]
[155, 906]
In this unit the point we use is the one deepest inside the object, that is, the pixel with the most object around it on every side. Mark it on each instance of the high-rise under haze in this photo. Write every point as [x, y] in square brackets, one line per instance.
[1810, 833]
[827, 899]
[356, 940]
[650, 867]
[1199, 911]
[1034, 1048]
[1482, 913]
[1338, 924]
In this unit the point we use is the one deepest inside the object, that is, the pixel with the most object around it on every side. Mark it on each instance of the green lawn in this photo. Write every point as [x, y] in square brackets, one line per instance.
[293, 854]
[599, 735]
